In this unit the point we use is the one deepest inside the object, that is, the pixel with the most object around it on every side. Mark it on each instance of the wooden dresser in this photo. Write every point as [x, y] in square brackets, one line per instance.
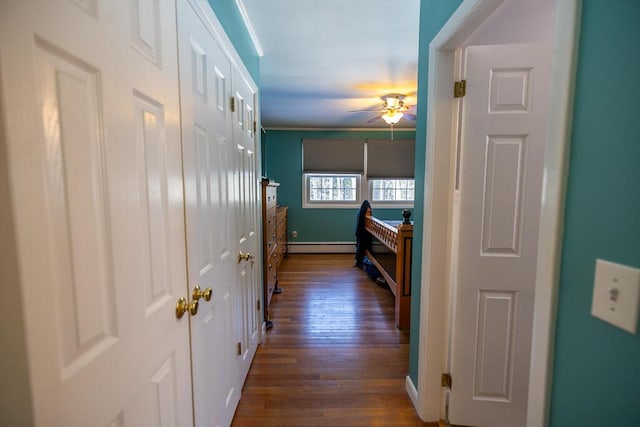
[274, 241]
[281, 232]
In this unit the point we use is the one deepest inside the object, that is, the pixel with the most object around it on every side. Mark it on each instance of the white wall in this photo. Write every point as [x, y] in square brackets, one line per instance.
[519, 21]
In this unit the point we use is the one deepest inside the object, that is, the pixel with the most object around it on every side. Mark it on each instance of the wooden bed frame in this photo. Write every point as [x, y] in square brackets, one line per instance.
[395, 266]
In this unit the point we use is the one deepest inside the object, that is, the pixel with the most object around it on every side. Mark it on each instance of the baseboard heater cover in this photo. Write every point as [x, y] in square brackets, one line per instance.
[322, 247]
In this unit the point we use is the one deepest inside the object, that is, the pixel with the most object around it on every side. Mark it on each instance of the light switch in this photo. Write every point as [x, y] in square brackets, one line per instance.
[616, 295]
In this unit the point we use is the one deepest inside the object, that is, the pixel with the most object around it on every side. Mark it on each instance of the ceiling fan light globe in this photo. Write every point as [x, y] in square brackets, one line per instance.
[392, 117]
[392, 103]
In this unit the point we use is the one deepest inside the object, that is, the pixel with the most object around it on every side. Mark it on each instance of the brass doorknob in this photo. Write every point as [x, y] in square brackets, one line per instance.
[199, 293]
[182, 307]
[246, 257]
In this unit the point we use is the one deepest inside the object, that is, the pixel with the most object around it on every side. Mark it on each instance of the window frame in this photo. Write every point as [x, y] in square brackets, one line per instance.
[364, 186]
[409, 204]
[331, 204]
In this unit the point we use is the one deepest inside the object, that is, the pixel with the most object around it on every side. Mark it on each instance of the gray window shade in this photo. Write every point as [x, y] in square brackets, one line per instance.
[333, 156]
[390, 159]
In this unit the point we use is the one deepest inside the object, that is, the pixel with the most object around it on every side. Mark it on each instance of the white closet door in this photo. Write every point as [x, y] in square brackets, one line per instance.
[247, 238]
[503, 140]
[208, 157]
[90, 108]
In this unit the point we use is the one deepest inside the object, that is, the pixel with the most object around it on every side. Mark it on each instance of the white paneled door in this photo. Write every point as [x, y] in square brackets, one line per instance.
[502, 149]
[210, 197]
[247, 234]
[91, 124]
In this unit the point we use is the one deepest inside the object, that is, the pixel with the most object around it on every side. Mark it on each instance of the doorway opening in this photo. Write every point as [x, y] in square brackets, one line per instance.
[428, 396]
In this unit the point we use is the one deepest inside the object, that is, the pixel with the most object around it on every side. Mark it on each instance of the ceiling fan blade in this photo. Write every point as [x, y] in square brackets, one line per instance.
[393, 95]
[410, 117]
[376, 110]
[377, 117]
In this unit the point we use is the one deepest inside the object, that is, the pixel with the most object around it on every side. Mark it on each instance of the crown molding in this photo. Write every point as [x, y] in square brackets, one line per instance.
[250, 29]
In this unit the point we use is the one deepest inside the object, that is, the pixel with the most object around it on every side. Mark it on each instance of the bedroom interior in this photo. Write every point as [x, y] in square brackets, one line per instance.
[166, 242]
[593, 30]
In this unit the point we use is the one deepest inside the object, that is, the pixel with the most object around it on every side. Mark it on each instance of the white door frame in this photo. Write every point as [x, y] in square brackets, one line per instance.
[471, 14]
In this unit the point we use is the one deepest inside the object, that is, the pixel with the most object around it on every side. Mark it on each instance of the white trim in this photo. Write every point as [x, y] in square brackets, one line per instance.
[322, 247]
[556, 166]
[432, 337]
[331, 204]
[250, 29]
[388, 204]
[411, 390]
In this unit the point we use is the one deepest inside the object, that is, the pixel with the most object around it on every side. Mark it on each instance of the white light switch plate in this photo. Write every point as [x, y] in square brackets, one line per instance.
[616, 295]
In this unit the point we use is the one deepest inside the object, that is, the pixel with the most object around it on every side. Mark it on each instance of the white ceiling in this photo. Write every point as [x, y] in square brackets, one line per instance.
[325, 58]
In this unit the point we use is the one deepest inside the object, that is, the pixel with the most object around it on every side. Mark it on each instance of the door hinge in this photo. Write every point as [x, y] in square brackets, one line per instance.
[233, 104]
[258, 305]
[445, 380]
[239, 349]
[460, 89]
[255, 126]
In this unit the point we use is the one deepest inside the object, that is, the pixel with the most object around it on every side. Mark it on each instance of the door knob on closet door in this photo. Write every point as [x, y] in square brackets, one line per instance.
[182, 307]
[199, 293]
[246, 257]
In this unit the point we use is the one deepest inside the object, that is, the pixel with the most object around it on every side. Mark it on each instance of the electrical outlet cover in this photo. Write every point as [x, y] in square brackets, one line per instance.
[616, 295]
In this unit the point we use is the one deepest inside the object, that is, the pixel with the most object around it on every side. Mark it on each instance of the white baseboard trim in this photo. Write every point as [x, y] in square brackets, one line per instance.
[322, 247]
[411, 391]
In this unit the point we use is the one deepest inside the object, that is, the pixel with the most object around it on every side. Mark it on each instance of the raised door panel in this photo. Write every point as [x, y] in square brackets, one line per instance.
[152, 151]
[79, 220]
[504, 182]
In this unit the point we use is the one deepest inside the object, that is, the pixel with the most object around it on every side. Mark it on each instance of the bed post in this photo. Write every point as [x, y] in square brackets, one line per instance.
[403, 272]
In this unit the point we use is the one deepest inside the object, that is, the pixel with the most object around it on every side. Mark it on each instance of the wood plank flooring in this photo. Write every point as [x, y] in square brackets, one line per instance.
[333, 356]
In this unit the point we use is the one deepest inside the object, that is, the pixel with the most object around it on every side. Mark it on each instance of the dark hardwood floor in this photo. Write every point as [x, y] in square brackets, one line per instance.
[333, 356]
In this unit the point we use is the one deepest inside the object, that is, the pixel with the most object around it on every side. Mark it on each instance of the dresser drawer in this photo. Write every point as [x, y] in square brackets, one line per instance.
[270, 247]
[270, 220]
[281, 230]
[271, 197]
[271, 267]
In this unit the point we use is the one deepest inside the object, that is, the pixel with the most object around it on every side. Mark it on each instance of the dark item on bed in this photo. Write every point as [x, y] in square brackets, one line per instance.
[363, 238]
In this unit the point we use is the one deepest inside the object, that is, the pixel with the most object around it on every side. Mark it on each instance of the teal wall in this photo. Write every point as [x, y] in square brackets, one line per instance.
[597, 366]
[282, 157]
[433, 15]
[231, 20]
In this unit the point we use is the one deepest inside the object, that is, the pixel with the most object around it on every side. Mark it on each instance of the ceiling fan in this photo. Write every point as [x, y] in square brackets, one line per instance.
[392, 110]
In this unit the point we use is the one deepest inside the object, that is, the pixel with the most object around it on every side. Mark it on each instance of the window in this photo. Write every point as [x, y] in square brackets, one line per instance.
[390, 173]
[332, 190]
[340, 173]
[392, 190]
